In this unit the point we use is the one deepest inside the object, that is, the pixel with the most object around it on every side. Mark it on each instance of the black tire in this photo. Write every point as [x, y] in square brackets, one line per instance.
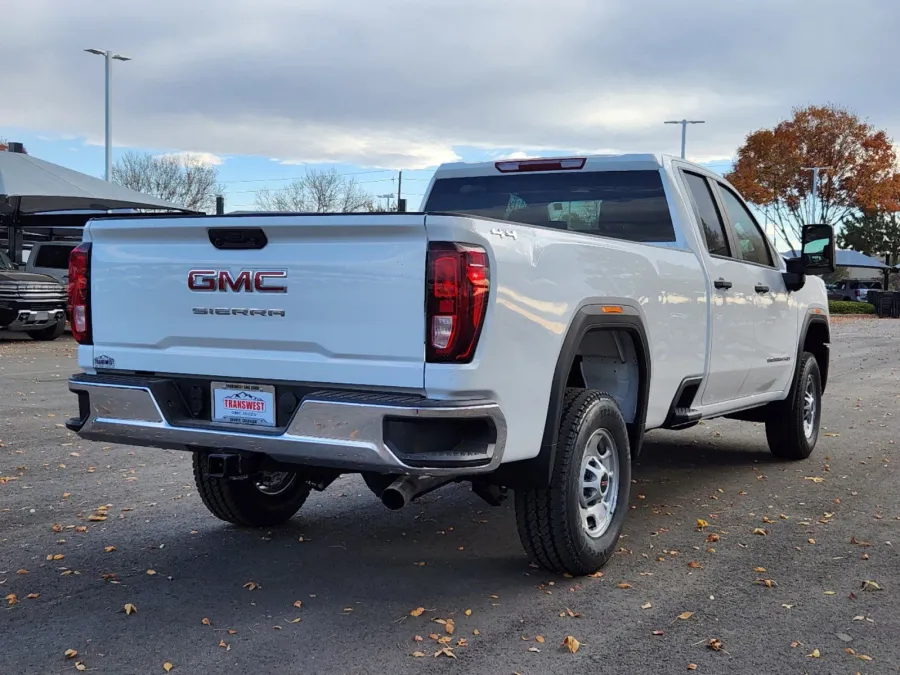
[48, 333]
[242, 502]
[550, 521]
[785, 431]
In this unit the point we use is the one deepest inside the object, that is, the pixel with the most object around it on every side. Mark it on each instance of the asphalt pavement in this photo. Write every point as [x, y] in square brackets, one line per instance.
[731, 562]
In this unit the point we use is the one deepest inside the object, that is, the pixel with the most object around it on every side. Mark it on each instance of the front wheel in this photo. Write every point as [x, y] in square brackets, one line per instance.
[262, 500]
[573, 525]
[792, 427]
[48, 333]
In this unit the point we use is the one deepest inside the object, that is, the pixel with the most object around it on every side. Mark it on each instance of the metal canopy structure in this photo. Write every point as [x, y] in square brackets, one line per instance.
[30, 186]
[847, 259]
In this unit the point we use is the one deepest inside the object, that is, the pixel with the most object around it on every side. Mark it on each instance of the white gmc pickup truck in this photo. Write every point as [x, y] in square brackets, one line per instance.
[522, 333]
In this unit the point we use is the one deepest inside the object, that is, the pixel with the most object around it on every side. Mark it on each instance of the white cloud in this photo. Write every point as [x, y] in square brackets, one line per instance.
[196, 157]
[399, 84]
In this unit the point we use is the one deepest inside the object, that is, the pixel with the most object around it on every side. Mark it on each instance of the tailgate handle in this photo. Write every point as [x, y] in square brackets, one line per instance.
[238, 238]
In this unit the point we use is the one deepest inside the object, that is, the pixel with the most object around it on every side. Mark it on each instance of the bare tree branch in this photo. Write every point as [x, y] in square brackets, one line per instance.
[318, 192]
[180, 179]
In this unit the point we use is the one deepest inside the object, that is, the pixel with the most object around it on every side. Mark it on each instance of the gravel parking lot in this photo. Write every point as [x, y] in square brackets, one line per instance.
[794, 571]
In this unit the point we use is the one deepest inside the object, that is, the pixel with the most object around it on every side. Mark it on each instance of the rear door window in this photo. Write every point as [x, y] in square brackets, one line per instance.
[708, 213]
[53, 257]
[629, 205]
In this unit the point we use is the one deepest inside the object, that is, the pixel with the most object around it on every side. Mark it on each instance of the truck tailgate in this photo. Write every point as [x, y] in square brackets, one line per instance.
[352, 310]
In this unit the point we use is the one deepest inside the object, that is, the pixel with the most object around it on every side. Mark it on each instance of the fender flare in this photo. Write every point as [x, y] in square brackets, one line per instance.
[814, 317]
[537, 471]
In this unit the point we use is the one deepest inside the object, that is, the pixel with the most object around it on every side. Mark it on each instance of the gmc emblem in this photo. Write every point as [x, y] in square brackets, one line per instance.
[247, 281]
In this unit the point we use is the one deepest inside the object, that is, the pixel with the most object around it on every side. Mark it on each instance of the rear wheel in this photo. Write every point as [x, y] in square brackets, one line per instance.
[573, 525]
[262, 500]
[792, 427]
[48, 333]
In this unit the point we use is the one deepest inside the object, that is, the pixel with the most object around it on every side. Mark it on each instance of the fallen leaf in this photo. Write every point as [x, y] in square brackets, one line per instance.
[596, 575]
[445, 651]
[830, 593]
[646, 605]
[81, 528]
[712, 538]
[815, 654]
[759, 570]
[701, 524]
[787, 606]
[715, 644]
[870, 586]
[109, 549]
[811, 541]
[623, 585]
[11, 599]
[533, 649]
[814, 479]
[205, 621]
[571, 643]
[250, 585]
[695, 565]
[692, 666]
[130, 609]
[418, 611]
[232, 631]
[97, 517]
[71, 653]
[476, 632]
[167, 666]
[468, 612]
[760, 531]
[539, 638]
[79, 665]
[33, 596]
[831, 434]
[864, 657]
[418, 655]
[153, 573]
[685, 615]
[298, 604]
[277, 628]
[658, 632]
[22, 571]
[297, 620]
[449, 627]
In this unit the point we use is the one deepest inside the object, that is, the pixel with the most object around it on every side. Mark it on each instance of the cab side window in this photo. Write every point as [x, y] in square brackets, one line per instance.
[708, 213]
[752, 242]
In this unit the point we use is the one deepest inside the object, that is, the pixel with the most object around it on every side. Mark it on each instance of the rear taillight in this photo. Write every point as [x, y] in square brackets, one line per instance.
[79, 303]
[457, 288]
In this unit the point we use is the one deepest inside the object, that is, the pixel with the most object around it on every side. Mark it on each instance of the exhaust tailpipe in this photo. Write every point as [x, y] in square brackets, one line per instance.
[406, 488]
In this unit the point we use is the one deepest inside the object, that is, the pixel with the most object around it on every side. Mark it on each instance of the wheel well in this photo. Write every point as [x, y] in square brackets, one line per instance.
[606, 359]
[816, 343]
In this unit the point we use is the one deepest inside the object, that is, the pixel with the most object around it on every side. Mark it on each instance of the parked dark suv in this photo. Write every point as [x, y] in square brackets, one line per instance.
[30, 303]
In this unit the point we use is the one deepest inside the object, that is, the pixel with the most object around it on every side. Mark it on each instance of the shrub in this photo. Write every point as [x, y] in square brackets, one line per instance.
[845, 307]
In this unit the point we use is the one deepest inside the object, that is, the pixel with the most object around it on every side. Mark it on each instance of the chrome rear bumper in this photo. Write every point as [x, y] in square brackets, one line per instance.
[344, 430]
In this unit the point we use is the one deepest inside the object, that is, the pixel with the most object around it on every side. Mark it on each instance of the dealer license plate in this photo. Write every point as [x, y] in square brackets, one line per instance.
[249, 404]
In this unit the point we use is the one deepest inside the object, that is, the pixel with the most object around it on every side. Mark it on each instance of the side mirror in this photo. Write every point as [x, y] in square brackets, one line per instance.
[817, 249]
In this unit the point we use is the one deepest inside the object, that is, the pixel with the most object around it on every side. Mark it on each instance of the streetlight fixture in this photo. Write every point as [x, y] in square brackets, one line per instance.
[684, 124]
[109, 57]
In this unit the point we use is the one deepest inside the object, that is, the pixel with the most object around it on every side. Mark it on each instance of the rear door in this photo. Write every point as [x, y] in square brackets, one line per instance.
[775, 319]
[327, 299]
[732, 336]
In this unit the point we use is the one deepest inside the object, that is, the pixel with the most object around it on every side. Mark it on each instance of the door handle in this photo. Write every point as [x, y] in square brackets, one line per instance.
[721, 283]
[760, 288]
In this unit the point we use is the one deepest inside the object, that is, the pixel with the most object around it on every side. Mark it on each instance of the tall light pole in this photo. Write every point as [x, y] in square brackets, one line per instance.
[109, 56]
[815, 188]
[684, 124]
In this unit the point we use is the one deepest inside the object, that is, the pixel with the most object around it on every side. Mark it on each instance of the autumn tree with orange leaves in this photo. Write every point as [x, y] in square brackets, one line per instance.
[861, 174]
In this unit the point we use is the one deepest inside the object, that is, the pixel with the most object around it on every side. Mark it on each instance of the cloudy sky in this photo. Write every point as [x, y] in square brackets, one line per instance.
[366, 85]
